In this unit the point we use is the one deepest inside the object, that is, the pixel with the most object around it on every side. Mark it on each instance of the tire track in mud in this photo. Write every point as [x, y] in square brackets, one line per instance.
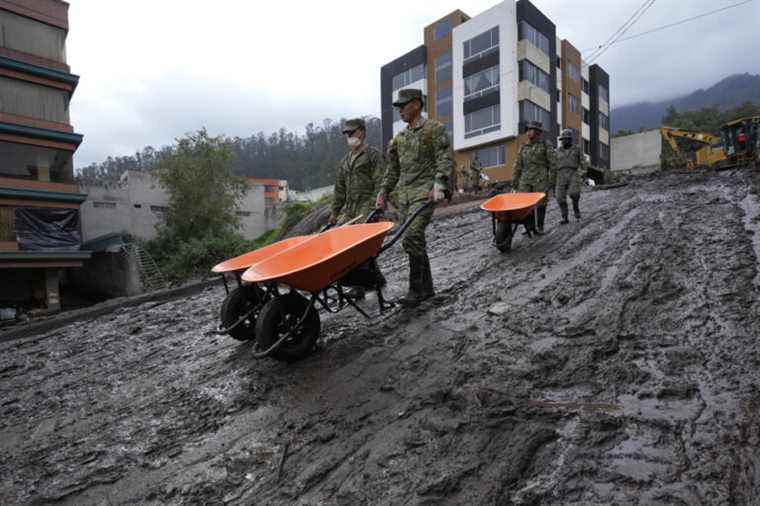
[611, 361]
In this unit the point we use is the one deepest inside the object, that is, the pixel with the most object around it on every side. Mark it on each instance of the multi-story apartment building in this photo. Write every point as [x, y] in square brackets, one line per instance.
[39, 202]
[484, 77]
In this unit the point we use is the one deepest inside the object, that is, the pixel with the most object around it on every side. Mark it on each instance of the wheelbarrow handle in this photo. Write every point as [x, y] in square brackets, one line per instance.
[350, 222]
[405, 226]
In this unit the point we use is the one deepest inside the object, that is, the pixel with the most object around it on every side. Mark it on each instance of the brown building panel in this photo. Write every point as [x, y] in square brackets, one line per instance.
[38, 265]
[569, 86]
[25, 184]
[35, 123]
[33, 60]
[436, 48]
[51, 12]
[36, 80]
[38, 142]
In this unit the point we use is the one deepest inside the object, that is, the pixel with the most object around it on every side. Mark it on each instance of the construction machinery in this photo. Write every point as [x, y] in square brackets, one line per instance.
[741, 141]
[692, 150]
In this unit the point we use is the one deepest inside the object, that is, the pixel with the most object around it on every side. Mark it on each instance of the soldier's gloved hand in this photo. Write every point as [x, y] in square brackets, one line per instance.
[380, 203]
[333, 219]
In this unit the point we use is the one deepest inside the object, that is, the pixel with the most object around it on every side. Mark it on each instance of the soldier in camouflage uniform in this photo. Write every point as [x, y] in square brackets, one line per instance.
[534, 169]
[357, 182]
[571, 170]
[420, 160]
[359, 175]
[474, 185]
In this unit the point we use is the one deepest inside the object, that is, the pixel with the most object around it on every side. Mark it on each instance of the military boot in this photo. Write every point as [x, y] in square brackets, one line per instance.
[563, 209]
[427, 278]
[577, 208]
[540, 217]
[415, 294]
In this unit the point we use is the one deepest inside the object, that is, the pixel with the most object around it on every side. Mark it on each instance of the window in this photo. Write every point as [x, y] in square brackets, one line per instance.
[573, 103]
[33, 101]
[482, 121]
[604, 94]
[159, 209]
[573, 72]
[538, 39]
[489, 157]
[587, 147]
[559, 62]
[443, 103]
[7, 224]
[442, 29]
[604, 151]
[604, 121]
[559, 96]
[481, 83]
[586, 116]
[529, 72]
[408, 77]
[585, 86]
[443, 67]
[244, 214]
[532, 112]
[21, 161]
[32, 37]
[481, 45]
[104, 205]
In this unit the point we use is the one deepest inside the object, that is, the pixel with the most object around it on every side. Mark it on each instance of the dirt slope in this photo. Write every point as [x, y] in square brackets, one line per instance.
[611, 361]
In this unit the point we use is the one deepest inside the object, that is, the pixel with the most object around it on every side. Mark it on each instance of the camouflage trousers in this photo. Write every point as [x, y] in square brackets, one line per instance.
[529, 188]
[568, 183]
[414, 242]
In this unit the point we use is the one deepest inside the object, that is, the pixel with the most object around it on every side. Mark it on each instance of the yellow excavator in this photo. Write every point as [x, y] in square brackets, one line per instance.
[741, 141]
[705, 150]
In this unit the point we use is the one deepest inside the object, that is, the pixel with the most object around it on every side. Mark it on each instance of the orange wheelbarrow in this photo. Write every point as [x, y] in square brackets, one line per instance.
[508, 212]
[314, 272]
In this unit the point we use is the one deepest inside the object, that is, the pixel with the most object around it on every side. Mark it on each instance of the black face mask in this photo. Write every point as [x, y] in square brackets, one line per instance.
[566, 143]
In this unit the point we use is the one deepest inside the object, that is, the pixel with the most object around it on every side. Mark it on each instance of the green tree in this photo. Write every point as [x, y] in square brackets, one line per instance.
[203, 190]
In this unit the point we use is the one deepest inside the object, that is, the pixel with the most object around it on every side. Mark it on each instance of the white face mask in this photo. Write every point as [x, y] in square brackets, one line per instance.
[353, 142]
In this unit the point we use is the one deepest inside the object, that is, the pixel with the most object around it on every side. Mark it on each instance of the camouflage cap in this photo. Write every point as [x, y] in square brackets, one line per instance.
[534, 125]
[407, 95]
[353, 124]
[566, 134]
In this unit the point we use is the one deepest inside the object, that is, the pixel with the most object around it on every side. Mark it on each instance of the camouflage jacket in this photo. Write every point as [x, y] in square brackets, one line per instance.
[357, 183]
[535, 167]
[417, 157]
[571, 158]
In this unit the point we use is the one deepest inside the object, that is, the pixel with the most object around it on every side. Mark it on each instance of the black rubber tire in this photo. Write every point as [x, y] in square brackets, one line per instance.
[241, 300]
[503, 238]
[275, 319]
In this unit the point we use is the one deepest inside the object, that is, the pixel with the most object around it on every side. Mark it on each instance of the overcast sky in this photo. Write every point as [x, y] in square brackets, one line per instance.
[152, 70]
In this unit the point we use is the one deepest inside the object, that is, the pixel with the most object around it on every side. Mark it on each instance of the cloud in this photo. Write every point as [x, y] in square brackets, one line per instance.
[151, 71]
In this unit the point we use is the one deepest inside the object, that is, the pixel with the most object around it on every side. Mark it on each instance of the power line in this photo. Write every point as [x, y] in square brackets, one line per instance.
[611, 37]
[653, 30]
[641, 13]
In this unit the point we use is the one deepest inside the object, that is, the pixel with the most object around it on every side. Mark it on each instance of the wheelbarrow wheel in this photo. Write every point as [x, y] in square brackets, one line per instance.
[239, 302]
[503, 238]
[281, 315]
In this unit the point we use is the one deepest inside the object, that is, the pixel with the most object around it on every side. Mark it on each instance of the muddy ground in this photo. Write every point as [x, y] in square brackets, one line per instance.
[612, 361]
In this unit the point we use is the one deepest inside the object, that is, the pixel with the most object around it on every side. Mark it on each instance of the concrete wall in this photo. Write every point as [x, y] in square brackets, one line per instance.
[136, 206]
[637, 153]
[108, 274]
[311, 195]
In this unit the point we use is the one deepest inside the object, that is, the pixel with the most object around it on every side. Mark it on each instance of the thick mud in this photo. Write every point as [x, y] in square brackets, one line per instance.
[611, 361]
